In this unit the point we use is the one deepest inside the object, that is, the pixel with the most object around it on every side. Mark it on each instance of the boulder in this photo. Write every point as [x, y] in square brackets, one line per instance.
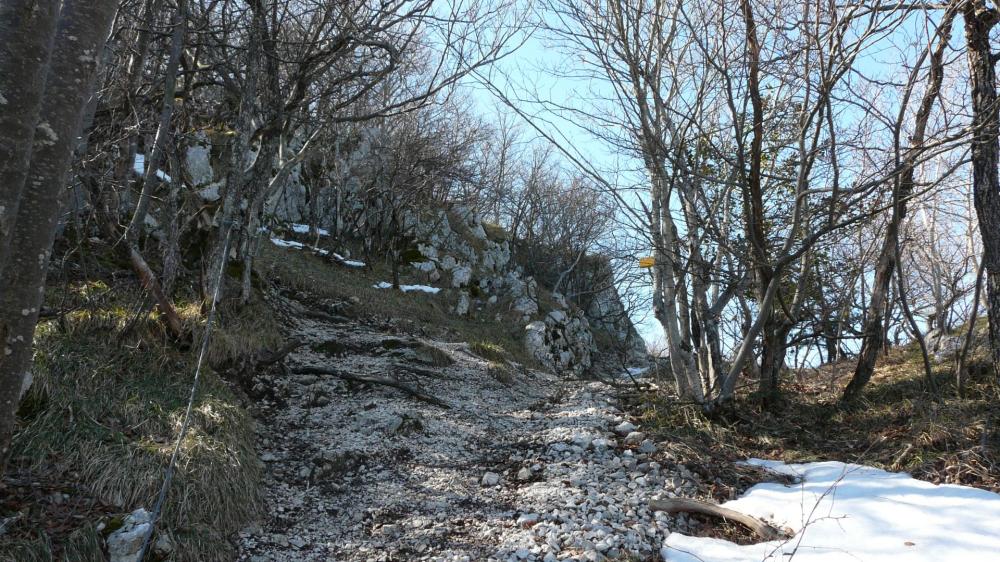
[198, 162]
[523, 293]
[428, 251]
[534, 341]
[211, 192]
[125, 543]
[561, 342]
[478, 231]
[461, 276]
[464, 303]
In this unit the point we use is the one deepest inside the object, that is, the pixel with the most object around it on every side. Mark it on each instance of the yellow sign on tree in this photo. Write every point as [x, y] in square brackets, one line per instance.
[647, 262]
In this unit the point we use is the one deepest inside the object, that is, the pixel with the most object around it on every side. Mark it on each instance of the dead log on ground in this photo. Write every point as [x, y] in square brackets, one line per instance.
[272, 357]
[678, 505]
[374, 380]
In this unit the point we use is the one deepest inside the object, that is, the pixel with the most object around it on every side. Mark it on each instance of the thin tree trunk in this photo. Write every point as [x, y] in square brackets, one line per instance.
[151, 178]
[154, 155]
[171, 242]
[960, 362]
[873, 331]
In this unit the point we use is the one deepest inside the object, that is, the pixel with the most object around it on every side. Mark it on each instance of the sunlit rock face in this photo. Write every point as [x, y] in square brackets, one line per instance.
[562, 341]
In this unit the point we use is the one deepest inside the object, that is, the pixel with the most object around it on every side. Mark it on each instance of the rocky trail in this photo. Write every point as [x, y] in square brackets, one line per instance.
[480, 464]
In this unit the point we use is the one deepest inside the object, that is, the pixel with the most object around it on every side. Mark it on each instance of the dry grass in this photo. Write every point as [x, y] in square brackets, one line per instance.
[898, 425]
[489, 351]
[415, 312]
[100, 421]
[495, 232]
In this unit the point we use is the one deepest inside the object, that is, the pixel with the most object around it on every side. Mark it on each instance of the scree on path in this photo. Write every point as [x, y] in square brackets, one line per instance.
[479, 465]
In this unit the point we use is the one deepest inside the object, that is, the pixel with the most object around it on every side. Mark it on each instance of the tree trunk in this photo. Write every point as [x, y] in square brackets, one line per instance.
[151, 178]
[774, 335]
[979, 21]
[26, 31]
[83, 28]
[154, 154]
[753, 216]
[873, 331]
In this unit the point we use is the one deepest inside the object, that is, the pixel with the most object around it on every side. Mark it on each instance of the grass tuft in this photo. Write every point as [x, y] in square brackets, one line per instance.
[100, 422]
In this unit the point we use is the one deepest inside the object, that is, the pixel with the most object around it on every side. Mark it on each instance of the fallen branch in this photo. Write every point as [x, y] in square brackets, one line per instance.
[324, 316]
[421, 371]
[149, 281]
[763, 530]
[270, 358]
[374, 380]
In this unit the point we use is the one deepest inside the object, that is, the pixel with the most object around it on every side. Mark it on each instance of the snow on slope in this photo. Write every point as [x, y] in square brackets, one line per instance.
[852, 512]
[139, 167]
[304, 229]
[407, 288]
[300, 246]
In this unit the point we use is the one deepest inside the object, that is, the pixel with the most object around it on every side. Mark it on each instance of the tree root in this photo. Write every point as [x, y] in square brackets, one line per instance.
[374, 380]
[677, 505]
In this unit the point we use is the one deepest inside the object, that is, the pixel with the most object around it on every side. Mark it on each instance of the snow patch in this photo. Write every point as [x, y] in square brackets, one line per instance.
[347, 262]
[139, 166]
[288, 243]
[408, 288]
[304, 229]
[300, 246]
[844, 511]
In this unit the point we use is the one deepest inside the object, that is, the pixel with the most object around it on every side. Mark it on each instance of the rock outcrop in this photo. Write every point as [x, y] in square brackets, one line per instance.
[562, 342]
[125, 542]
[451, 248]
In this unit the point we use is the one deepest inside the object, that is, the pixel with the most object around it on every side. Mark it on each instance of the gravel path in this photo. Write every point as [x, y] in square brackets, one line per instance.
[521, 466]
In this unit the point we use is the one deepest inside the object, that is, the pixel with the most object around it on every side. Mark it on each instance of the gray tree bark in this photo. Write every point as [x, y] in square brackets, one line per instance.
[83, 28]
[27, 28]
[979, 21]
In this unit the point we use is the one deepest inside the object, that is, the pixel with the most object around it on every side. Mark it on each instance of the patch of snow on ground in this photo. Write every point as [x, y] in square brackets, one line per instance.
[288, 243]
[637, 371]
[300, 246]
[408, 288]
[852, 512]
[347, 262]
[139, 166]
[304, 229]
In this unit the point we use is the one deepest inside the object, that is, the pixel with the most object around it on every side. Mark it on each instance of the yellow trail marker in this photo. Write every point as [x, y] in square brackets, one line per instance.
[647, 262]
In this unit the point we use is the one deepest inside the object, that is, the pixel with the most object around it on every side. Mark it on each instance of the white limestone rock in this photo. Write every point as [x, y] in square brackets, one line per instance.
[125, 543]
